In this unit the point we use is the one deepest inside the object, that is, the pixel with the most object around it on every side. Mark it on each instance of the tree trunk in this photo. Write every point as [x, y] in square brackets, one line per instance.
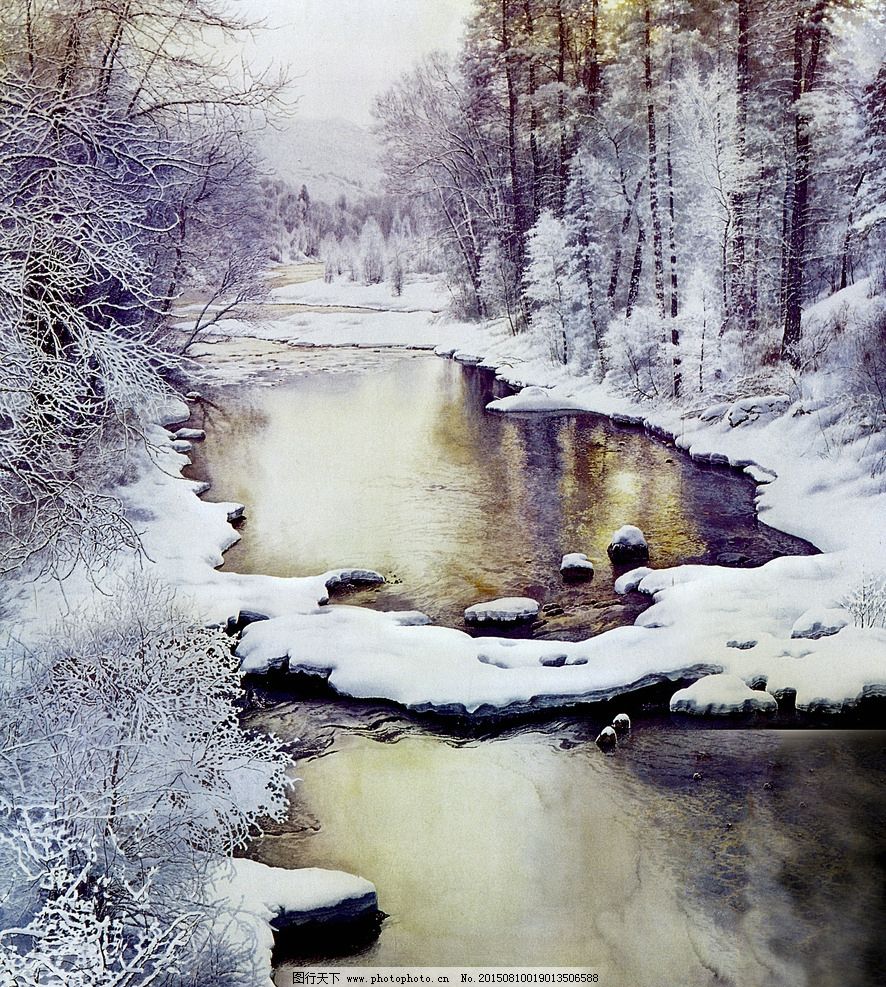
[803, 81]
[636, 270]
[520, 224]
[535, 197]
[739, 280]
[561, 109]
[657, 249]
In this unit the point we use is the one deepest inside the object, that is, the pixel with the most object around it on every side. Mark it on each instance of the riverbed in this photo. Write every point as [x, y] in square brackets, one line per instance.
[694, 854]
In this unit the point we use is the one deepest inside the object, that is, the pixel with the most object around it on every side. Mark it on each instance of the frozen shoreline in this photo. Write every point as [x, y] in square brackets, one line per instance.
[702, 617]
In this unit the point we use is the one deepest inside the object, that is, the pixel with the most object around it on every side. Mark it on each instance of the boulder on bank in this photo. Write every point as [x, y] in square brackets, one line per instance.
[258, 904]
[628, 544]
[818, 623]
[507, 610]
[722, 695]
[576, 565]
[190, 434]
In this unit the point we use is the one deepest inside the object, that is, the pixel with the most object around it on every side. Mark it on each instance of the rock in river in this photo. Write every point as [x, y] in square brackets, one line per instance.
[576, 565]
[628, 544]
[507, 610]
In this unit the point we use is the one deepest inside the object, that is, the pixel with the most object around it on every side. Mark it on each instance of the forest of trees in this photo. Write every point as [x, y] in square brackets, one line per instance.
[655, 188]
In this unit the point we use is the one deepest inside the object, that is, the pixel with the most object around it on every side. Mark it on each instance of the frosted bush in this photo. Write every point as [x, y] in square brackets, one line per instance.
[867, 602]
[125, 774]
[639, 364]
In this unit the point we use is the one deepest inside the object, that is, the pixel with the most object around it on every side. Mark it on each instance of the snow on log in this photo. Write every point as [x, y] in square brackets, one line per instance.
[190, 434]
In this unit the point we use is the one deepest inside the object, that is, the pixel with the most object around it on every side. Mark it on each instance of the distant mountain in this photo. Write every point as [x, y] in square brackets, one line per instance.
[330, 157]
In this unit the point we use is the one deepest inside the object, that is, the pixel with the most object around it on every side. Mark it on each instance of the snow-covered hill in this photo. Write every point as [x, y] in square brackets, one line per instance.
[330, 157]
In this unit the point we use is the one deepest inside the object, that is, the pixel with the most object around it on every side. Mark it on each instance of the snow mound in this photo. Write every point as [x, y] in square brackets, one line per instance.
[507, 610]
[534, 399]
[815, 623]
[721, 695]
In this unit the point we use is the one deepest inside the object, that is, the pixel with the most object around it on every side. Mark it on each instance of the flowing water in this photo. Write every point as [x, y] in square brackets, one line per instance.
[693, 855]
[392, 462]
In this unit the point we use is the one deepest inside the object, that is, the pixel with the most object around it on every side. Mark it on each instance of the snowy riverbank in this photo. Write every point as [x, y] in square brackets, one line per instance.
[762, 625]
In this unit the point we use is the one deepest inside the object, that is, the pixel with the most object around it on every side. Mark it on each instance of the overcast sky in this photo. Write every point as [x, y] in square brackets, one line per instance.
[341, 53]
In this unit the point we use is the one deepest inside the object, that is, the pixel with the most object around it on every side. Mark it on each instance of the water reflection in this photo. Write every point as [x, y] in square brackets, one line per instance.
[520, 852]
[403, 470]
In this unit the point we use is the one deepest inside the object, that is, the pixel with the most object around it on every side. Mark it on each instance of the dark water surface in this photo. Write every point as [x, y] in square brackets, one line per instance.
[532, 848]
[525, 845]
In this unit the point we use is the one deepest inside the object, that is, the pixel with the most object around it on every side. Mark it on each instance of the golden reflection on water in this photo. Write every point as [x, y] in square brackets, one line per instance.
[396, 465]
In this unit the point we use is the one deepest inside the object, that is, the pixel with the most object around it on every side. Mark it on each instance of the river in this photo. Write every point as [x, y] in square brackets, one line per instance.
[696, 854]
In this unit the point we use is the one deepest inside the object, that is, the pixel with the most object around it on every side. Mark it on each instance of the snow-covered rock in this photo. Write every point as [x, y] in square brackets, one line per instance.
[628, 543]
[607, 739]
[181, 445]
[236, 513]
[751, 409]
[190, 434]
[253, 900]
[576, 565]
[818, 623]
[353, 577]
[721, 695]
[621, 724]
[507, 610]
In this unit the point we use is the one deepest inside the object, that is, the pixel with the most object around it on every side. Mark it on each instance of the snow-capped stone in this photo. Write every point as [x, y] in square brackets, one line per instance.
[607, 739]
[354, 577]
[191, 434]
[253, 900]
[627, 543]
[236, 513]
[577, 565]
[180, 445]
[507, 610]
[721, 695]
[630, 581]
[818, 623]
[621, 724]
